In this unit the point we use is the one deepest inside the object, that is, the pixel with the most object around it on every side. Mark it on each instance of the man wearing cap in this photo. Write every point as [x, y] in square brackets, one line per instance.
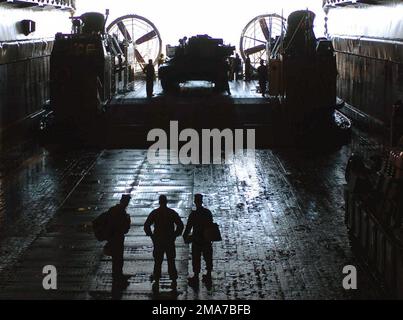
[119, 224]
[167, 227]
[198, 221]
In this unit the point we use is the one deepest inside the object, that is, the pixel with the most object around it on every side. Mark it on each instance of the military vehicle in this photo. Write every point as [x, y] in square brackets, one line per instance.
[87, 67]
[198, 58]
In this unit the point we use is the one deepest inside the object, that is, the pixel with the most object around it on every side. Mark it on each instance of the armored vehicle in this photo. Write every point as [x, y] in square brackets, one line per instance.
[198, 58]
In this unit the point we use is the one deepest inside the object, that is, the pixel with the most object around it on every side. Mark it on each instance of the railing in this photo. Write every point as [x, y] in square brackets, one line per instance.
[61, 4]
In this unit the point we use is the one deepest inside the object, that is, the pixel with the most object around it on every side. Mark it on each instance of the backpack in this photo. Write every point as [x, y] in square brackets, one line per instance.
[212, 233]
[101, 228]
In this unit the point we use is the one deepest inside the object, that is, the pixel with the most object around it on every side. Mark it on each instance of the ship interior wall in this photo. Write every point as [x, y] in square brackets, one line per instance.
[24, 61]
[369, 57]
[369, 83]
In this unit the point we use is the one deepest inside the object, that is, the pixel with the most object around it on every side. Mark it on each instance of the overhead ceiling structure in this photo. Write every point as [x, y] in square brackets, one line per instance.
[334, 3]
[60, 4]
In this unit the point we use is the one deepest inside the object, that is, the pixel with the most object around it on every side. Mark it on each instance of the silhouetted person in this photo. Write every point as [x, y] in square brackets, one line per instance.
[222, 81]
[248, 69]
[231, 68]
[226, 70]
[262, 74]
[237, 67]
[150, 77]
[180, 50]
[167, 227]
[198, 221]
[183, 41]
[119, 225]
[161, 60]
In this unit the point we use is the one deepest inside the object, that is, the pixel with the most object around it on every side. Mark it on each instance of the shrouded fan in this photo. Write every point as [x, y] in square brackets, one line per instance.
[262, 38]
[142, 34]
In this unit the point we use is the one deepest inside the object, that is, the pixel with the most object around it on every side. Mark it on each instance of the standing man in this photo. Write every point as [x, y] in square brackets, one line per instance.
[226, 70]
[150, 77]
[198, 221]
[167, 227]
[161, 60]
[263, 75]
[222, 81]
[248, 69]
[231, 68]
[237, 67]
[119, 225]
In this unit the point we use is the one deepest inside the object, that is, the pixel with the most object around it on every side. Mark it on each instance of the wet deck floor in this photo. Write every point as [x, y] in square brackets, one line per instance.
[282, 221]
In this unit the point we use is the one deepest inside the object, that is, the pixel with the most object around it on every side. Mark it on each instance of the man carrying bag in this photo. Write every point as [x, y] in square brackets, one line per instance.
[112, 226]
[204, 232]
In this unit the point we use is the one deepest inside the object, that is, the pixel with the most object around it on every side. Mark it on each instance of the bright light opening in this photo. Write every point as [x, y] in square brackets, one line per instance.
[217, 18]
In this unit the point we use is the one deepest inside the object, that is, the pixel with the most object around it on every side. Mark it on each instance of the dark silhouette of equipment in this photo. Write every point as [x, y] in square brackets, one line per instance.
[93, 22]
[300, 38]
[310, 72]
[199, 58]
[87, 67]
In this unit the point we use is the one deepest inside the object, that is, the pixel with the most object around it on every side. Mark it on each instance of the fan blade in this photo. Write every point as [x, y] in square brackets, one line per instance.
[147, 37]
[124, 31]
[265, 28]
[139, 57]
[254, 50]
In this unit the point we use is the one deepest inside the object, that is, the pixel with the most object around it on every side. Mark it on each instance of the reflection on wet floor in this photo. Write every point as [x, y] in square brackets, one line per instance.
[282, 221]
[33, 185]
